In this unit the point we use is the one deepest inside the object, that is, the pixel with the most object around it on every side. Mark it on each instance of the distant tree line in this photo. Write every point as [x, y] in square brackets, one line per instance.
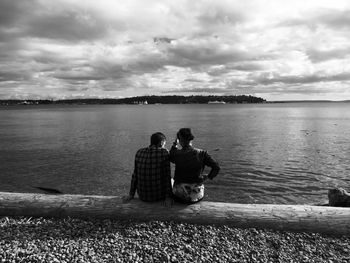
[171, 99]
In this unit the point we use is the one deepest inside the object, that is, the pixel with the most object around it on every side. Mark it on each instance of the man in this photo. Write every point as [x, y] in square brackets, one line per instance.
[189, 165]
[152, 176]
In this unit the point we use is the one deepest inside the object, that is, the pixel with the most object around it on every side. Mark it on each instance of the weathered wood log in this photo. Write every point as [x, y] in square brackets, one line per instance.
[298, 218]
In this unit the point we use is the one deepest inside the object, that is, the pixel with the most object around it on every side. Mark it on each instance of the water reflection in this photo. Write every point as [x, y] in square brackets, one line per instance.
[272, 153]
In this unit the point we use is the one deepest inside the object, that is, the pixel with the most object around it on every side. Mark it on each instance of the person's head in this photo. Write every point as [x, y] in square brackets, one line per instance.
[185, 136]
[158, 139]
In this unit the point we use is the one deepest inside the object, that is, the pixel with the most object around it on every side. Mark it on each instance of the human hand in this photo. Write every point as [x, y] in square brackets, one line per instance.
[168, 202]
[127, 198]
[203, 177]
[176, 141]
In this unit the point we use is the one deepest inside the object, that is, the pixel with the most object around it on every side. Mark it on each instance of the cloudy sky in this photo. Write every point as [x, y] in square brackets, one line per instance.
[278, 50]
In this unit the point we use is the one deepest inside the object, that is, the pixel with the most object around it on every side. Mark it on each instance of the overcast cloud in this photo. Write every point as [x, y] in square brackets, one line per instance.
[278, 50]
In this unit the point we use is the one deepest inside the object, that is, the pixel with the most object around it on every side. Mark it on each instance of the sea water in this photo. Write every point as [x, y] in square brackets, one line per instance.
[287, 153]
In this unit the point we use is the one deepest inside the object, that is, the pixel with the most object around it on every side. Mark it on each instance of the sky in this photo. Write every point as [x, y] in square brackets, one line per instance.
[274, 49]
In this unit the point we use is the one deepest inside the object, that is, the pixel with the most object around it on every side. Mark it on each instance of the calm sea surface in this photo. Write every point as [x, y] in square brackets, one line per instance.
[269, 153]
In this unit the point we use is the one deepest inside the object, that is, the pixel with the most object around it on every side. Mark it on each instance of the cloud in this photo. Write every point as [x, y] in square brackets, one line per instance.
[317, 55]
[329, 17]
[199, 90]
[112, 48]
[335, 19]
[12, 11]
[248, 66]
[219, 15]
[70, 25]
[194, 80]
[207, 51]
[77, 76]
[13, 76]
[53, 20]
[267, 79]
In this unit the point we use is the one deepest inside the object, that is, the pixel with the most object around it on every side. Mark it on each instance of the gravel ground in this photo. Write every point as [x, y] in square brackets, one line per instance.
[75, 240]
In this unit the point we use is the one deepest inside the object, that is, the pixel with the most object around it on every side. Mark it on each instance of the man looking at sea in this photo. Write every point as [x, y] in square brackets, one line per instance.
[151, 178]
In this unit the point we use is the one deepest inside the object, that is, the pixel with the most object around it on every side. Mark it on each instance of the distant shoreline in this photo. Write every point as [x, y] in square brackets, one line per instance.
[39, 102]
[159, 100]
[307, 101]
[144, 100]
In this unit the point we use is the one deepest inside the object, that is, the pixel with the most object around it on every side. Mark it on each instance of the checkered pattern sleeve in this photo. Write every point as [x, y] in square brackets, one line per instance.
[133, 186]
[151, 177]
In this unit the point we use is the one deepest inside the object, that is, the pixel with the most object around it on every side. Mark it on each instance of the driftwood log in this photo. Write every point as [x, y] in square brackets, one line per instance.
[299, 218]
[339, 197]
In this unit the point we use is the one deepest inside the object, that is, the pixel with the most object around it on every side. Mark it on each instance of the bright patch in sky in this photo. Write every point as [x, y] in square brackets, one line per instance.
[278, 50]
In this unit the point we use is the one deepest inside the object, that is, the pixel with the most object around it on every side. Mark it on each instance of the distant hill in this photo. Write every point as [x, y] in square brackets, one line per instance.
[171, 99]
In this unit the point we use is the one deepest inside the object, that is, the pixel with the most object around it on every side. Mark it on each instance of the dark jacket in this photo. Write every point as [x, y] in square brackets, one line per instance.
[189, 164]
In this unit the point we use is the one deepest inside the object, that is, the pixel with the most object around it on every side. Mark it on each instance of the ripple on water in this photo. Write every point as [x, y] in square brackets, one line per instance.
[290, 153]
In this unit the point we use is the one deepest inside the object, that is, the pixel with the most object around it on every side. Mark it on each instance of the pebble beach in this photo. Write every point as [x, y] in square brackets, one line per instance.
[74, 240]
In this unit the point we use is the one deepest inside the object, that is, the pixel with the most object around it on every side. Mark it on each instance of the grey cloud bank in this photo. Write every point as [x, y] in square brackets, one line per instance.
[114, 48]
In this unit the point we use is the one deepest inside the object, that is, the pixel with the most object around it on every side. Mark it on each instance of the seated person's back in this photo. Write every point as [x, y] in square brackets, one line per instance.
[151, 173]
[189, 165]
[151, 178]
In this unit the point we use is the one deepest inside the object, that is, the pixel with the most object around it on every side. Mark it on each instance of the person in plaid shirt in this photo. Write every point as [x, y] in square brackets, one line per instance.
[151, 178]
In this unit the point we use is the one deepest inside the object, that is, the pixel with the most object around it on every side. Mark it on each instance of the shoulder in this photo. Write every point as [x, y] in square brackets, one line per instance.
[162, 151]
[203, 154]
[200, 151]
[165, 154]
[159, 151]
[145, 149]
[197, 149]
[142, 151]
[165, 151]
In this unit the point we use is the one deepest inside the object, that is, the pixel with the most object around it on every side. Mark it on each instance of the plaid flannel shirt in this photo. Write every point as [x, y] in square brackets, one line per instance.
[152, 177]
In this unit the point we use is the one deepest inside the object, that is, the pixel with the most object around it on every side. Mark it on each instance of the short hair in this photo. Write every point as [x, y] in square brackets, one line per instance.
[157, 138]
[186, 134]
